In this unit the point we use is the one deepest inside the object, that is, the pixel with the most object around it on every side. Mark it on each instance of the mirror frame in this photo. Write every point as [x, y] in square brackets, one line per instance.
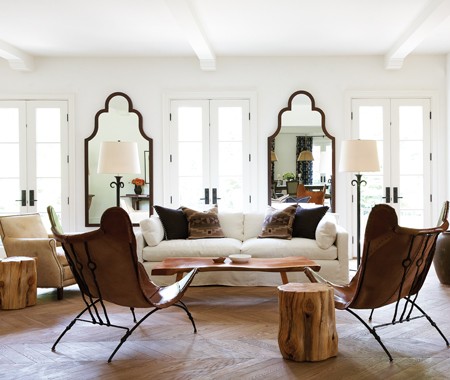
[324, 129]
[86, 155]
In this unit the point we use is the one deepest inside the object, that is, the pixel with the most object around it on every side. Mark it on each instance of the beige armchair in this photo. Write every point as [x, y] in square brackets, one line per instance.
[25, 235]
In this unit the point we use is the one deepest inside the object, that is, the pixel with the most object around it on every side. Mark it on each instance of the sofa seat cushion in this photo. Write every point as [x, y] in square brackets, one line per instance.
[270, 247]
[212, 247]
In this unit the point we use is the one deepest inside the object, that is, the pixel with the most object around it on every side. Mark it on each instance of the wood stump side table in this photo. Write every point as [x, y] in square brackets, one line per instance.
[307, 327]
[18, 282]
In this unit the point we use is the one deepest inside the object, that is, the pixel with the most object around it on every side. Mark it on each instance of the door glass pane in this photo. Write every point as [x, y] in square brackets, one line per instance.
[230, 157]
[10, 158]
[48, 158]
[411, 126]
[190, 155]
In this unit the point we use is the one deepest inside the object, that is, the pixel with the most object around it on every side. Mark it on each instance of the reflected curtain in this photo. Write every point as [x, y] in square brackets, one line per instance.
[304, 167]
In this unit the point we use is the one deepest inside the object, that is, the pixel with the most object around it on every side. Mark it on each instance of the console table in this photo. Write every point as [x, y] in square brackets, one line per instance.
[136, 199]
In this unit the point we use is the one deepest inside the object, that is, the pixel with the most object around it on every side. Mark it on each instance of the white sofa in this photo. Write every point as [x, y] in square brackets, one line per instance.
[241, 232]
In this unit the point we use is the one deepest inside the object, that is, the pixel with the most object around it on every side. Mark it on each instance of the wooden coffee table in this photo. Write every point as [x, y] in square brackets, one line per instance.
[180, 265]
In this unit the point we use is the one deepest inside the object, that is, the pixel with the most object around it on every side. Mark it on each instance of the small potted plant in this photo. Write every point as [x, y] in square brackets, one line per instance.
[138, 183]
[288, 176]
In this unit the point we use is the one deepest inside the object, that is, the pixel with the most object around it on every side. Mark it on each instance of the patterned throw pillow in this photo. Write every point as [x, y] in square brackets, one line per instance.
[306, 221]
[203, 224]
[278, 223]
[174, 222]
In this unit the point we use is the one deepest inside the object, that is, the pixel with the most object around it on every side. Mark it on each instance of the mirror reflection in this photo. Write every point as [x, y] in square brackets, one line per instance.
[301, 152]
[131, 187]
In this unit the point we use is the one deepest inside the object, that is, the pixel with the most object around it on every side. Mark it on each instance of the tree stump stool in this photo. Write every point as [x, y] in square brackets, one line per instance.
[307, 329]
[18, 282]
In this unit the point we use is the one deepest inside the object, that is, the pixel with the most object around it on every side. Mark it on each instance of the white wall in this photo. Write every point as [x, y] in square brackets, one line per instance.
[90, 81]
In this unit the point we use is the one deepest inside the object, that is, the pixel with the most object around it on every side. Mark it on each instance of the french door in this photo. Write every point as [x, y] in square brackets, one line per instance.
[210, 157]
[402, 129]
[34, 156]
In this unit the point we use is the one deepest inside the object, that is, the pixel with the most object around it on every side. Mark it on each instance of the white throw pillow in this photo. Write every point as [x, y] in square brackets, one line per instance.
[326, 233]
[152, 230]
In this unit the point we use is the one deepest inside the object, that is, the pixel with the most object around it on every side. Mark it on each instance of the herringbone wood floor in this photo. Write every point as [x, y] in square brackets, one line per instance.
[236, 339]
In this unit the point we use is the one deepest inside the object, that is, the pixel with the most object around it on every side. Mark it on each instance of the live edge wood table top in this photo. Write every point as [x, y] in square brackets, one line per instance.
[180, 265]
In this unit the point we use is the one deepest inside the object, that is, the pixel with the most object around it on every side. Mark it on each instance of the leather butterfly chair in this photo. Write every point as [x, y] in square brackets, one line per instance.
[317, 197]
[394, 265]
[106, 268]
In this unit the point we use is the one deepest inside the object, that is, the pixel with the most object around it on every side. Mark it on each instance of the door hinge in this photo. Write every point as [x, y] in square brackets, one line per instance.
[351, 115]
[68, 200]
[249, 199]
[67, 117]
[170, 116]
[171, 200]
[431, 197]
[170, 158]
[250, 157]
[249, 118]
[67, 158]
[430, 115]
[431, 156]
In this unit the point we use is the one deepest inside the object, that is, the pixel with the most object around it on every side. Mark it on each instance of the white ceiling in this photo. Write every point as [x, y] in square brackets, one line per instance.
[211, 29]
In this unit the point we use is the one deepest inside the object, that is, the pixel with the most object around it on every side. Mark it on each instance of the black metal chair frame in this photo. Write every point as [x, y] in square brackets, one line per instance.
[96, 306]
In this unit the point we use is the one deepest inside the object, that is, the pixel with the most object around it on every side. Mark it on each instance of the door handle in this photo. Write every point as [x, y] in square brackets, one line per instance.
[388, 195]
[396, 197]
[206, 199]
[23, 199]
[32, 200]
[214, 196]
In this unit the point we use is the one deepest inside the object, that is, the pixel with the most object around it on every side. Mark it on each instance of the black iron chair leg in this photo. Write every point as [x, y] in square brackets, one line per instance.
[373, 332]
[183, 306]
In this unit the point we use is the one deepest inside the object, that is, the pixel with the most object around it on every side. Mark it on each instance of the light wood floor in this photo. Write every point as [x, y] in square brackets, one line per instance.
[236, 339]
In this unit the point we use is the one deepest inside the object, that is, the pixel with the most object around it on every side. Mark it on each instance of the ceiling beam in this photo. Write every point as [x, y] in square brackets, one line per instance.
[193, 32]
[18, 60]
[436, 13]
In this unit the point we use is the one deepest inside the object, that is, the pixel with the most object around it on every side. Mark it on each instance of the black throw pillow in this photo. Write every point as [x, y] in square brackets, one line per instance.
[174, 222]
[306, 221]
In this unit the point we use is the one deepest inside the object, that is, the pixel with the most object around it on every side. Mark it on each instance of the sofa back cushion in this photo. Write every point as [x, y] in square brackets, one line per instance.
[232, 224]
[252, 224]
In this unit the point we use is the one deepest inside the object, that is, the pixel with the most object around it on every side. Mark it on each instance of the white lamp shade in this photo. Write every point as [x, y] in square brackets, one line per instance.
[359, 156]
[118, 157]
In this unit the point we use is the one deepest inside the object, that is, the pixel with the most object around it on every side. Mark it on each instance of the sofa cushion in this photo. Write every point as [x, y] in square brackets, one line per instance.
[213, 247]
[174, 222]
[278, 223]
[266, 248]
[252, 224]
[152, 230]
[306, 221]
[326, 233]
[203, 224]
[232, 224]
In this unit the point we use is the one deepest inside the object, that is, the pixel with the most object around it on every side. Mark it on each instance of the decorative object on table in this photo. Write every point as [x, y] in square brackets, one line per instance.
[305, 157]
[394, 267]
[138, 183]
[219, 260]
[240, 258]
[288, 176]
[118, 157]
[359, 156]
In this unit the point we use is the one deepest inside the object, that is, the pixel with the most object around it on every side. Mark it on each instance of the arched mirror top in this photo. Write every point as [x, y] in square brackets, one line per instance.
[300, 119]
[118, 121]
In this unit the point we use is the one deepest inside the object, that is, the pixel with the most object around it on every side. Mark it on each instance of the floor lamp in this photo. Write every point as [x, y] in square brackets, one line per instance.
[118, 157]
[359, 156]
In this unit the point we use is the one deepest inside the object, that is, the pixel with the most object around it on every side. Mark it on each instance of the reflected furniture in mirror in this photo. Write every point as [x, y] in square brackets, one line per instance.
[301, 145]
[117, 122]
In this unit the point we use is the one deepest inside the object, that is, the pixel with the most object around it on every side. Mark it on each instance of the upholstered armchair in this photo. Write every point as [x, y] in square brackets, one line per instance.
[25, 235]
